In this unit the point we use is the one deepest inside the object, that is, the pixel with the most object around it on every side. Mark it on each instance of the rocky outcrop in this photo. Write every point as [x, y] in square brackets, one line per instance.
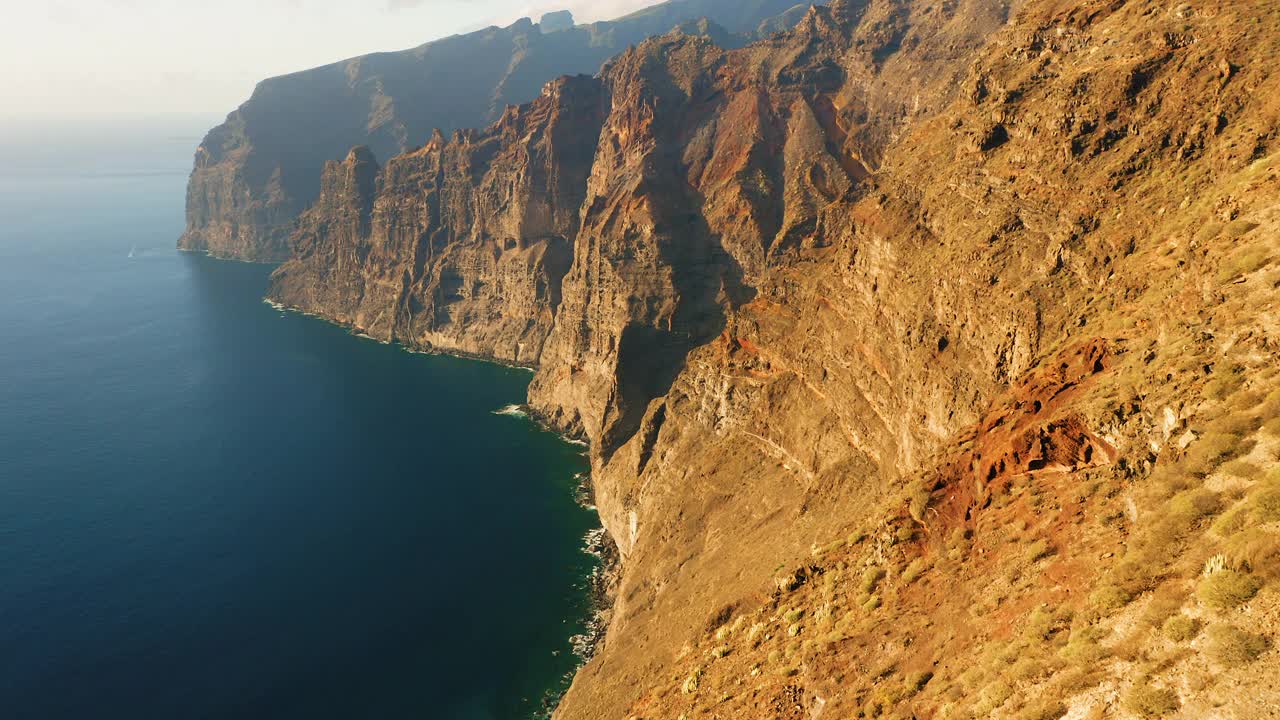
[467, 242]
[257, 172]
[910, 343]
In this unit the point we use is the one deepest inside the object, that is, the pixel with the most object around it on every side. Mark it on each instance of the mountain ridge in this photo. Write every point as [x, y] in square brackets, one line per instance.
[255, 174]
[927, 352]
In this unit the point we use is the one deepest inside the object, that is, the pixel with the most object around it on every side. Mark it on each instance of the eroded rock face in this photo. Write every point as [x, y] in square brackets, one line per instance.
[467, 243]
[930, 271]
[257, 172]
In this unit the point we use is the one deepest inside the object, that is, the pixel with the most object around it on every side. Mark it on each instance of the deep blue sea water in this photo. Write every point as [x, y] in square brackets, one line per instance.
[212, 509]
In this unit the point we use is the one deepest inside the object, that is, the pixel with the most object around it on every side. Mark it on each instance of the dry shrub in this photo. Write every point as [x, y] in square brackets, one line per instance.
[1240, 228]
[1209, 232]
[1228, 589]
[1242, 469]
[1238, 423]
[1146, 701]
[1266, 504]
[871, 577]
[1165, 601]
[1193, 505]
[1244, 262]
[1180, 628]
[1232, 522]
[1211, 451]
[1272, 427]
[1169, 479]
[1045, 709]
[914, 570]
[1234, 647]
[1039, 550]
[1225, 383]
[1256, 549]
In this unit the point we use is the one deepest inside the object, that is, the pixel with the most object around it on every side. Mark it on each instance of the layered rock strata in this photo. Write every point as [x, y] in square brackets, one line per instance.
[257, 172]
[910, 344]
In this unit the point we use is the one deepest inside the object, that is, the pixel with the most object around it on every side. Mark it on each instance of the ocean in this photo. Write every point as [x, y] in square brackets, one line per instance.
[213, 509]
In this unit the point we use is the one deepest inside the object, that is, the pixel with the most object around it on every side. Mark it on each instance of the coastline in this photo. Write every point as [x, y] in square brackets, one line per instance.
[601, 586]
[360, 333]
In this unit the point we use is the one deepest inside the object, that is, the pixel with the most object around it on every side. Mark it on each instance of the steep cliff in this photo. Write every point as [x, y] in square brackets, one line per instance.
[466, 242]
[927, 352]
[255, 173]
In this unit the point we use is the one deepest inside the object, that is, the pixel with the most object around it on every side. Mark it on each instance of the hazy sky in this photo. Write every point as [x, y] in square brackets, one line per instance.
[95, 57]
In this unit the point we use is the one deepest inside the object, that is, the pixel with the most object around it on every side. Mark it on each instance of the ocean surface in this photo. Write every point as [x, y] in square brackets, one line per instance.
[213, 509]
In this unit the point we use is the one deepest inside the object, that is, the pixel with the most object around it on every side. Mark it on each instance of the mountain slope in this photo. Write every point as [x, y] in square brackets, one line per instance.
[928, 352]
[255, 173]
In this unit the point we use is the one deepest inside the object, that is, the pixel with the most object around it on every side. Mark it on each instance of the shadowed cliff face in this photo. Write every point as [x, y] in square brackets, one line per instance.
[468, 241]
[259, 170]
[943, 295]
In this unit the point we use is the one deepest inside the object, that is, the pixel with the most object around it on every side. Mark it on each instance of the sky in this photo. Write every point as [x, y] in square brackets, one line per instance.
[87, 58]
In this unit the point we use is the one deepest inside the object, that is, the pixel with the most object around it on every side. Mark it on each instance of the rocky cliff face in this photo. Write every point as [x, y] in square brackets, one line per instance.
[928, 352]
[258, 171]
[465, 243]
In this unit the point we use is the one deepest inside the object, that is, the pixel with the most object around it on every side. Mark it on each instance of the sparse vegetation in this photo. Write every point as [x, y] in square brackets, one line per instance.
[1193, 505]
[914, 570]
[1231, 522]
[1228, 589]
[1255, 548]
[1242, 469]
[1110, 598]
[1233, 647]
[1211, 451]
[1039, 550]
[1180, 628]
[1151, 702]
[871, 577]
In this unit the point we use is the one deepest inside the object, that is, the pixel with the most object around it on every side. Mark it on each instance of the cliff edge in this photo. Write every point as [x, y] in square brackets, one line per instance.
[927, 351]
[255, 174]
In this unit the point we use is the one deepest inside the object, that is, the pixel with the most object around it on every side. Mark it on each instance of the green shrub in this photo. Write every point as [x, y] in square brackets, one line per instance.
[1233, 647]
[992, 697]
[1228, 589]
[1083, 648]
[1028, 668]
[1272, 427]
[792, 615]
[1180, 628]
[1150, 702]
[872, 603]
[1043, 623]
